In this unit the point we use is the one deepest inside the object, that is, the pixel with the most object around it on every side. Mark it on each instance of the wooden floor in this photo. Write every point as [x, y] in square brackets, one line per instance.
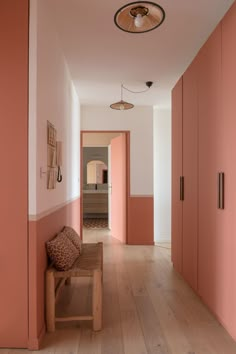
[147, 309]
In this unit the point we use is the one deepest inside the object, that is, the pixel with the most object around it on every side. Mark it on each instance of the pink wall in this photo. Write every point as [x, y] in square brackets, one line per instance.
[39, 232]
[140, 225]
[13, 187]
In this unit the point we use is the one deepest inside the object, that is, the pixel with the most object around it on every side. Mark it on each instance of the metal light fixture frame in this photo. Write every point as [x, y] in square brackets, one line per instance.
[147, 10]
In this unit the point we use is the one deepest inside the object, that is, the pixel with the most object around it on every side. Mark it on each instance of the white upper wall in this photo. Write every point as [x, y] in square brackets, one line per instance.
[53, 98]
[139, 121]
[162, 175]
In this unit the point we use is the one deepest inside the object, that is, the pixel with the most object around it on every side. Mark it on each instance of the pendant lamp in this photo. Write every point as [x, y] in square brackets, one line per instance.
[121, 105]
[139, 17]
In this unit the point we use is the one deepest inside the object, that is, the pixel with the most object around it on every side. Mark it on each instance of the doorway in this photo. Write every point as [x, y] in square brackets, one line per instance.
[95, 187]
[104, 198]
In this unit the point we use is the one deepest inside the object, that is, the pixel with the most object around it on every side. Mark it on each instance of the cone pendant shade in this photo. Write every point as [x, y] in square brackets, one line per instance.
[121, 105]
[139, 17]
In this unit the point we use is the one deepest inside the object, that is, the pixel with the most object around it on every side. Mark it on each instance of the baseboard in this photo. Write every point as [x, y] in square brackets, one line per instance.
[36, 343]
[141, 244]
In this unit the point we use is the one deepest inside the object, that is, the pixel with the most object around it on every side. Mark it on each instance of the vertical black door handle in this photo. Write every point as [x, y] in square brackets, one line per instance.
[181, 180]
[221, 190]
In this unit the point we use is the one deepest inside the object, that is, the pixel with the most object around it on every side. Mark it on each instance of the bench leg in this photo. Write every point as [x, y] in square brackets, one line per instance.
[97, 300]
[50, 301]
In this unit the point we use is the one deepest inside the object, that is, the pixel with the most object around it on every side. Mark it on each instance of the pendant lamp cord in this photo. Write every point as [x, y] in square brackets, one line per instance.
[135, 91]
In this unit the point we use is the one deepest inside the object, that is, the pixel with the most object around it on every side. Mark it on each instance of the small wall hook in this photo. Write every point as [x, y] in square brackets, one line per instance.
[59, 174]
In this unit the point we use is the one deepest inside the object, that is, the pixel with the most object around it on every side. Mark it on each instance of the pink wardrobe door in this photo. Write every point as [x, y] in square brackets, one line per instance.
[190, 172]
[227, 217]
[209, 109]
[118, 194]
[177, 205]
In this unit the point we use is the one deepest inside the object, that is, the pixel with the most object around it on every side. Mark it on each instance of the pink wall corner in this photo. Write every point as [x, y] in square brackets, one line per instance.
[140, 220]
[14, 33]
[39, 232]
[33, 329]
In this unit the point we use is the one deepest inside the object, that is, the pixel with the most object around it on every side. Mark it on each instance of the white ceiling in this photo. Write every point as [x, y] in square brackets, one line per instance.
[101, 57]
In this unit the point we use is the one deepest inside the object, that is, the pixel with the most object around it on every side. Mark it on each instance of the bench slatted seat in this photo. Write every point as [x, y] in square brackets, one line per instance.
[88, 264]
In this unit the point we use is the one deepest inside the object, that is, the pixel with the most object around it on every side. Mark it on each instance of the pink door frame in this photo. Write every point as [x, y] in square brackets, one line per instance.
[127, 138]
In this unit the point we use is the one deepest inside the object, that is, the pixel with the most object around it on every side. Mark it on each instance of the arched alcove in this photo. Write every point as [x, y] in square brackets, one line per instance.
[96, 172]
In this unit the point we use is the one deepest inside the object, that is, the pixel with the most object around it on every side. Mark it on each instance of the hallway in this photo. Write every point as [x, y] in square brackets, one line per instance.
[148, 309]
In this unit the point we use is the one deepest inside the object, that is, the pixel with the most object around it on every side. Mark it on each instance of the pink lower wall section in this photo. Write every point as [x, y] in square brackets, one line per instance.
[140, 220]
[39, 232]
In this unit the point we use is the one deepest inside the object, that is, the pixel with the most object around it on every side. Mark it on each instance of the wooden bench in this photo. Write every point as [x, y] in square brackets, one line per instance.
[88, 264]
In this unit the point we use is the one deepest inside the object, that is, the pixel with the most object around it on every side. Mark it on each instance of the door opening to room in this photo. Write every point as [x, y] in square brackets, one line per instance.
[104, 174]
[95, 188]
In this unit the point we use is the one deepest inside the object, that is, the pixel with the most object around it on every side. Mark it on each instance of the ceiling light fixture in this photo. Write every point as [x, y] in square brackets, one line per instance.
[139, 17]
[122, 105]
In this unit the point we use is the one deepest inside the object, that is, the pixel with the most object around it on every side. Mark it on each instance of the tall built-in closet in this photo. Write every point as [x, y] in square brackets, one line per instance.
[185, 175]
[190, 175]
[177, 172]
[210, 150]
[204, 173]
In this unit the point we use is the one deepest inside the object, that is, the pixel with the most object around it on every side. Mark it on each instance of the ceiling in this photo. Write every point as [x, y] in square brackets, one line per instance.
[101, 57]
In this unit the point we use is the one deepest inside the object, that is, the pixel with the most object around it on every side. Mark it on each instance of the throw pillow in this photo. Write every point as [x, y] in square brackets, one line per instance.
[62, 252]
[73, 237]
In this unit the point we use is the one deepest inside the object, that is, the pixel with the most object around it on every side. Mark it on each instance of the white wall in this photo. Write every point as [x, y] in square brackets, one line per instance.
[139, 121]
[53, 98]
[162, 175]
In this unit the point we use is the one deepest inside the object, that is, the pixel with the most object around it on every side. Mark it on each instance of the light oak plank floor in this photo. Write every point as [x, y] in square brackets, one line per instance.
[147, 308]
